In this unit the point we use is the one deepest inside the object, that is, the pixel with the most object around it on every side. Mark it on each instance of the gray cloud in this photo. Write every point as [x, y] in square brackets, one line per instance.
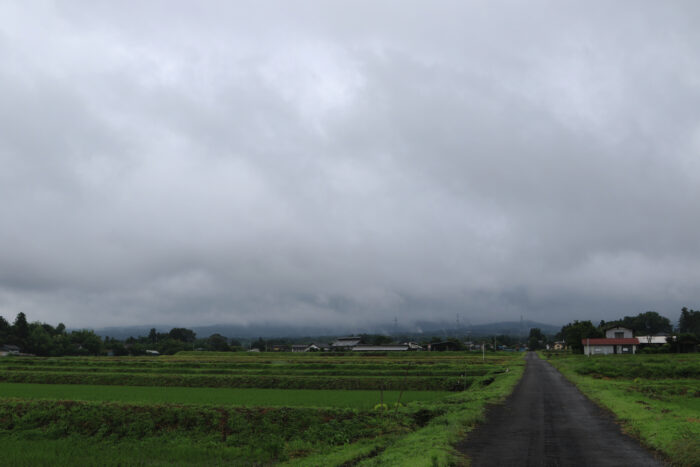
[348, 162]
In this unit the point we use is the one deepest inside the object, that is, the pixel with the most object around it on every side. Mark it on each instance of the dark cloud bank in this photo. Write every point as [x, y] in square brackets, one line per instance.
[348, 162]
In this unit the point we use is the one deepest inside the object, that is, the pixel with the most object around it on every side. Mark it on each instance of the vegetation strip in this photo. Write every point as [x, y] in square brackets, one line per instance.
[49, 424]
[214, 396]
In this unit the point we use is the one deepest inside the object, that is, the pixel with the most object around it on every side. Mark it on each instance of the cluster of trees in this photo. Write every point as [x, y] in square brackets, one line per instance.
[644, 324]
[45, 340]
[689, 322]
[648, 323]
[536, 340]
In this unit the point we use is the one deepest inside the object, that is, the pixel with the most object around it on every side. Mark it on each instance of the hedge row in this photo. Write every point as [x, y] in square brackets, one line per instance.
[615, 368]
[117, 421]
[243, 381]
[158, 363]
[267, 371]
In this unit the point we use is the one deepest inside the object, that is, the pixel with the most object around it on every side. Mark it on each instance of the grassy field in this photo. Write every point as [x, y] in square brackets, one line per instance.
[360, 399]
[174, 410]
[419, 371]
[656, 397]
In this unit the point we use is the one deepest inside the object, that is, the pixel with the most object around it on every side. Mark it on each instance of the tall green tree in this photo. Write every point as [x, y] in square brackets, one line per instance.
[217, 343]
[20, 329]
[39, 341]
[182, 334]
[574, 333]
[689, 322]
[86, 342]
[5, 330]
[536, 340]
[644, 324]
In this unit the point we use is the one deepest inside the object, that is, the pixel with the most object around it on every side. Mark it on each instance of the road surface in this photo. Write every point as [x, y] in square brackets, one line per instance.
[547, 421]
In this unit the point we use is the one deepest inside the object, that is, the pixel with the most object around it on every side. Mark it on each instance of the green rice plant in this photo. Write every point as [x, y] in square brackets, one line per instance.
[360, 399]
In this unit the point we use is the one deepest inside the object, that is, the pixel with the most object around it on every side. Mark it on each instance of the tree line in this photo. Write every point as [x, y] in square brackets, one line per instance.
[48, 341]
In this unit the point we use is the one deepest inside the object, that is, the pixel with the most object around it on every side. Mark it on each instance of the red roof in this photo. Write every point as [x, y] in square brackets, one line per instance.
[612, 341]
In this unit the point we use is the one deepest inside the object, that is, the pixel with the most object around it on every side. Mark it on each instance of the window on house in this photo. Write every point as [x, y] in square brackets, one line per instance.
[619, 335]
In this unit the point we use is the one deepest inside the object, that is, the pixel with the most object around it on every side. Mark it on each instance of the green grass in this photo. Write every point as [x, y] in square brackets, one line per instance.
[246, 435]
[85, 451]
[432, 445]
[662, 413]
[156, 424]
[416, 371]
[214, 396]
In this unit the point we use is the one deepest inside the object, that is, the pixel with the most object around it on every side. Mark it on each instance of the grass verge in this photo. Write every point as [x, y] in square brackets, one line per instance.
[664, 414]
[433, 444]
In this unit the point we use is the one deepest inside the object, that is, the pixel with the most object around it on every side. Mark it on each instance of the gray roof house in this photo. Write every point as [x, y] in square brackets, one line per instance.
[345, 343]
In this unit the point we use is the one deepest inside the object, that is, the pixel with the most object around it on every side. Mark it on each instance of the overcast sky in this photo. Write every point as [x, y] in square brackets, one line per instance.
[335, 162]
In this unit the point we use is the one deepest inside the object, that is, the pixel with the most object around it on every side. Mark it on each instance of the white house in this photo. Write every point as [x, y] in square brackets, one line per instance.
[617, 340]
[618, 332]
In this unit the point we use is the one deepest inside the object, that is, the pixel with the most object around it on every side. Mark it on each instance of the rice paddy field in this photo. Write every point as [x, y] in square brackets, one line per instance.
[247, 409]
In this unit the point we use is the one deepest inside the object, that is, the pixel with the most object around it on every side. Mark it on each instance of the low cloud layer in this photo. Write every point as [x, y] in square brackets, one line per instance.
[348, 162]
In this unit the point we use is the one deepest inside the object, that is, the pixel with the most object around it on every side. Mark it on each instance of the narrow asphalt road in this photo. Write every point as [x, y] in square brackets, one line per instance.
[547, 421]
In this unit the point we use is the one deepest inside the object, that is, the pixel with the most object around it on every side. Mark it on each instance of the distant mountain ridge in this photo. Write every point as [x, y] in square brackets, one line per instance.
[267, 330]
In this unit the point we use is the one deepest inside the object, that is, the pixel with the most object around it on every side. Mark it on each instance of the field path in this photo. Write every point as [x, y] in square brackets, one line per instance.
[547, 421]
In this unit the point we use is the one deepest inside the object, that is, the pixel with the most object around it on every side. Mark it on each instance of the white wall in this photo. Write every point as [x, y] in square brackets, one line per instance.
[610, 333]
[598, 349]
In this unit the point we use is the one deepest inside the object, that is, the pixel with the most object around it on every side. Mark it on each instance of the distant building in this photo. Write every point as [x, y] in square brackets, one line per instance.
[9, 349]
[413, 346]
[305, 348]
[380, 348]
[345, 343]
[559, 345]
[443, 346]
[652, 340]
[152, 352]
[617, 340]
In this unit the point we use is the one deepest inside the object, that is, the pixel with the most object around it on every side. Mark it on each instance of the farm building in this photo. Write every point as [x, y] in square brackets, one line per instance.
[443, 346]
[280, 348]
[380, 348]
[652, 341]
[305, 348]
[9, 349]
[345, 343]
[413, 346]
